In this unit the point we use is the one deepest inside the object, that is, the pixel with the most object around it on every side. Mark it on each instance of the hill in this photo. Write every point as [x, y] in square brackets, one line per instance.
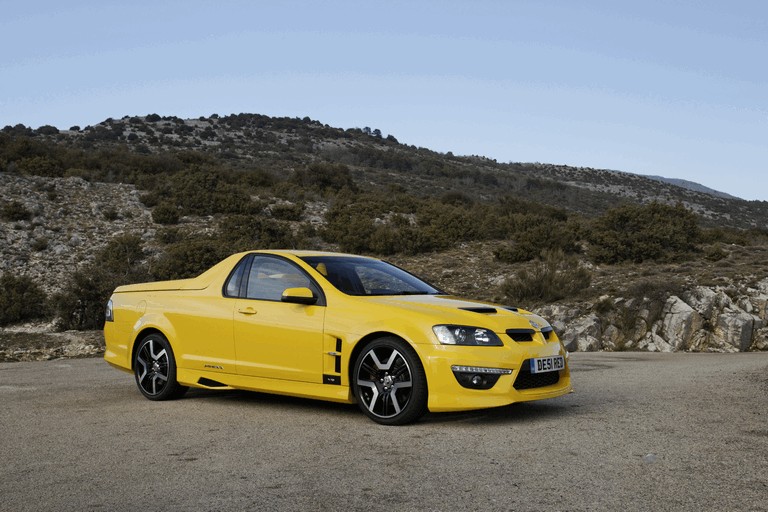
[154, 197]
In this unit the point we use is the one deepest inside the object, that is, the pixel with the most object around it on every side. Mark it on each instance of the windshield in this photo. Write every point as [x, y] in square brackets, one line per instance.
[363, 276]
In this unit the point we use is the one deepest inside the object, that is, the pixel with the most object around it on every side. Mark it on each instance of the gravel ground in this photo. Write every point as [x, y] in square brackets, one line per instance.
[41, 343]
[642, 432]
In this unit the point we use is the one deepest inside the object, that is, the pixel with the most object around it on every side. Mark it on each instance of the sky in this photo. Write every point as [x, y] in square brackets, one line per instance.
[671, 88]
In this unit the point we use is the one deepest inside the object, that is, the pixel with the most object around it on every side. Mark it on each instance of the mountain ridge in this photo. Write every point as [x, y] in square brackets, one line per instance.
[254, 140]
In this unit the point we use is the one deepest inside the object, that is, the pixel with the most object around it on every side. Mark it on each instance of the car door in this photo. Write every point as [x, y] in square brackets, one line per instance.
[275, 339]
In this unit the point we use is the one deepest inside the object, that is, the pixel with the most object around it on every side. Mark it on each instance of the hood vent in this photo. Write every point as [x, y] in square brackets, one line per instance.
[510, 308]
[481, 309]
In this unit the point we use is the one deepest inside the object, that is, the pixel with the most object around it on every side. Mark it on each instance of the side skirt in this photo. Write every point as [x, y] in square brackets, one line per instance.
[318, 391]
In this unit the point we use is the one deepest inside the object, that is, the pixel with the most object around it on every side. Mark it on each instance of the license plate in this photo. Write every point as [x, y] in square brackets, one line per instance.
[547, 364]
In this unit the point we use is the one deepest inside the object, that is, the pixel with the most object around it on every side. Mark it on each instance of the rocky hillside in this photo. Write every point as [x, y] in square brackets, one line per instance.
[196, 189]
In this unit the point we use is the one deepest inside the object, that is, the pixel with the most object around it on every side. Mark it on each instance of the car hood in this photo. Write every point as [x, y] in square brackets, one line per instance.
[455, 310]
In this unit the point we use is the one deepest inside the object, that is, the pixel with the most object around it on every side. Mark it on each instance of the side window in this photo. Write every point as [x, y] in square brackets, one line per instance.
[269, 277]
[232, 288]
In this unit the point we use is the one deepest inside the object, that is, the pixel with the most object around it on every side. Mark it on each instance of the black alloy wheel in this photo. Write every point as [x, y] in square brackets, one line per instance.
[155, 369]
[389, 382]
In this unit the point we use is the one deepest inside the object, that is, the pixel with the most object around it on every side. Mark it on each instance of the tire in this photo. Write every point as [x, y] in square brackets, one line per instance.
[155, 369]
[389, 382]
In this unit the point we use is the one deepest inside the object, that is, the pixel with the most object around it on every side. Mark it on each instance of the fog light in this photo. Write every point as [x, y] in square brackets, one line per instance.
[477, 377]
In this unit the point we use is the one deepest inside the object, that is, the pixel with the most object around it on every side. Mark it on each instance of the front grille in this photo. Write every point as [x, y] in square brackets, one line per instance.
[527, 380]
[521, 334]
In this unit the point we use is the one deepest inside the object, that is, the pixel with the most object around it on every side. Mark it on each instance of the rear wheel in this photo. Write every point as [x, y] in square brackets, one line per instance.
[155, 369]
[389, 382]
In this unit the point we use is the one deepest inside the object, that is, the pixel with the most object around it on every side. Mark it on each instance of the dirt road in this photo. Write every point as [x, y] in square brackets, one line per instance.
[642, 432]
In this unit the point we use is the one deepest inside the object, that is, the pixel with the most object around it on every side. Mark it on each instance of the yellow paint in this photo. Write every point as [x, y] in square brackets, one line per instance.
[286, 348]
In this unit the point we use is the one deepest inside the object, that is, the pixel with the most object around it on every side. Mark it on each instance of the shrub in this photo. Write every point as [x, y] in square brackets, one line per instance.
[15, 211]
[169, 235]
[323, 177]
[111, 213]
[40, 165]
[80, 305]
[121, 255]
[21, 299]
[39, 244]
[287, 211]
[189, 258]
[648, 232]
[244, 232]
[555, 276]
[165, 214]
[540, 234]
[205, 193]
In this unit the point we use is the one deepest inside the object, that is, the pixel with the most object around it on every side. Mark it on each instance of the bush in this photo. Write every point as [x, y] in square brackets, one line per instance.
[80, 305]
[324, 177]
[245, 232]
[555, 276]
[655, 232]
[111, 213]
[21, 299]
[189, 258]
[287, 211]
[165, 214]
[15, 211]
[206, 193]
[540, 234]
[39, 244]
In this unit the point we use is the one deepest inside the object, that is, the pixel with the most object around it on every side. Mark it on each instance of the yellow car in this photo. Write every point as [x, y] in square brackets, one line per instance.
[333, 327]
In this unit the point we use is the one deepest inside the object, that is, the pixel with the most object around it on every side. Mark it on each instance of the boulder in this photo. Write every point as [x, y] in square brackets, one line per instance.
[583, 334]
[735, 327]
[679, 322]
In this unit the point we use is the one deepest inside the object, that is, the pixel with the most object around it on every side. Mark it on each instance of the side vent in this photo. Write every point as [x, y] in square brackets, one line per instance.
[330, 378]
[210, 383]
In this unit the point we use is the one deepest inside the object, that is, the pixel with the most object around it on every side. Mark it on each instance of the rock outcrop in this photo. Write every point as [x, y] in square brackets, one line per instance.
[705, 319]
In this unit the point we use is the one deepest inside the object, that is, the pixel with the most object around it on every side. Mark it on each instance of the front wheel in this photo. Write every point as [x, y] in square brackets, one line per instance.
[155, 369]
[389, 382]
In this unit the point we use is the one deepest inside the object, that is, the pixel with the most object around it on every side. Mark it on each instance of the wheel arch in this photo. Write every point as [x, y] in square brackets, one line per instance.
[363, 342]
[146, 331]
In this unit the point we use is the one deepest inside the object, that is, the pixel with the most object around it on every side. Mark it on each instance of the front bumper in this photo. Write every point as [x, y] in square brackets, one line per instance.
[447, 394]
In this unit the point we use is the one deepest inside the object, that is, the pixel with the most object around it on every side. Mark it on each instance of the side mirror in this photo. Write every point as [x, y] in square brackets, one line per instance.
[299, 296]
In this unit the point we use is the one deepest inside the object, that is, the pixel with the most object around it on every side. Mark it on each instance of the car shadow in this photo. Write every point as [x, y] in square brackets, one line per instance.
[524, 412]
[243, 397]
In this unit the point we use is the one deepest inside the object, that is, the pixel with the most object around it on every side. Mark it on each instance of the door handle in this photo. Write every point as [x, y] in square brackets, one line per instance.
[247, 311]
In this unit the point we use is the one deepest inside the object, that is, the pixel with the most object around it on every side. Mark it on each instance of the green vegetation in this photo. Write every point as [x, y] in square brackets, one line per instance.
[21, 299]
[639, 233]
[254, 181]
[553, 277]
[165, 214]
[15, 211]
[80, 305]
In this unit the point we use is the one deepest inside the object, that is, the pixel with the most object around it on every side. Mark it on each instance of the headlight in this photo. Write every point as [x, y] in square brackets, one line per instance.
[465, 335]
[108, 314]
